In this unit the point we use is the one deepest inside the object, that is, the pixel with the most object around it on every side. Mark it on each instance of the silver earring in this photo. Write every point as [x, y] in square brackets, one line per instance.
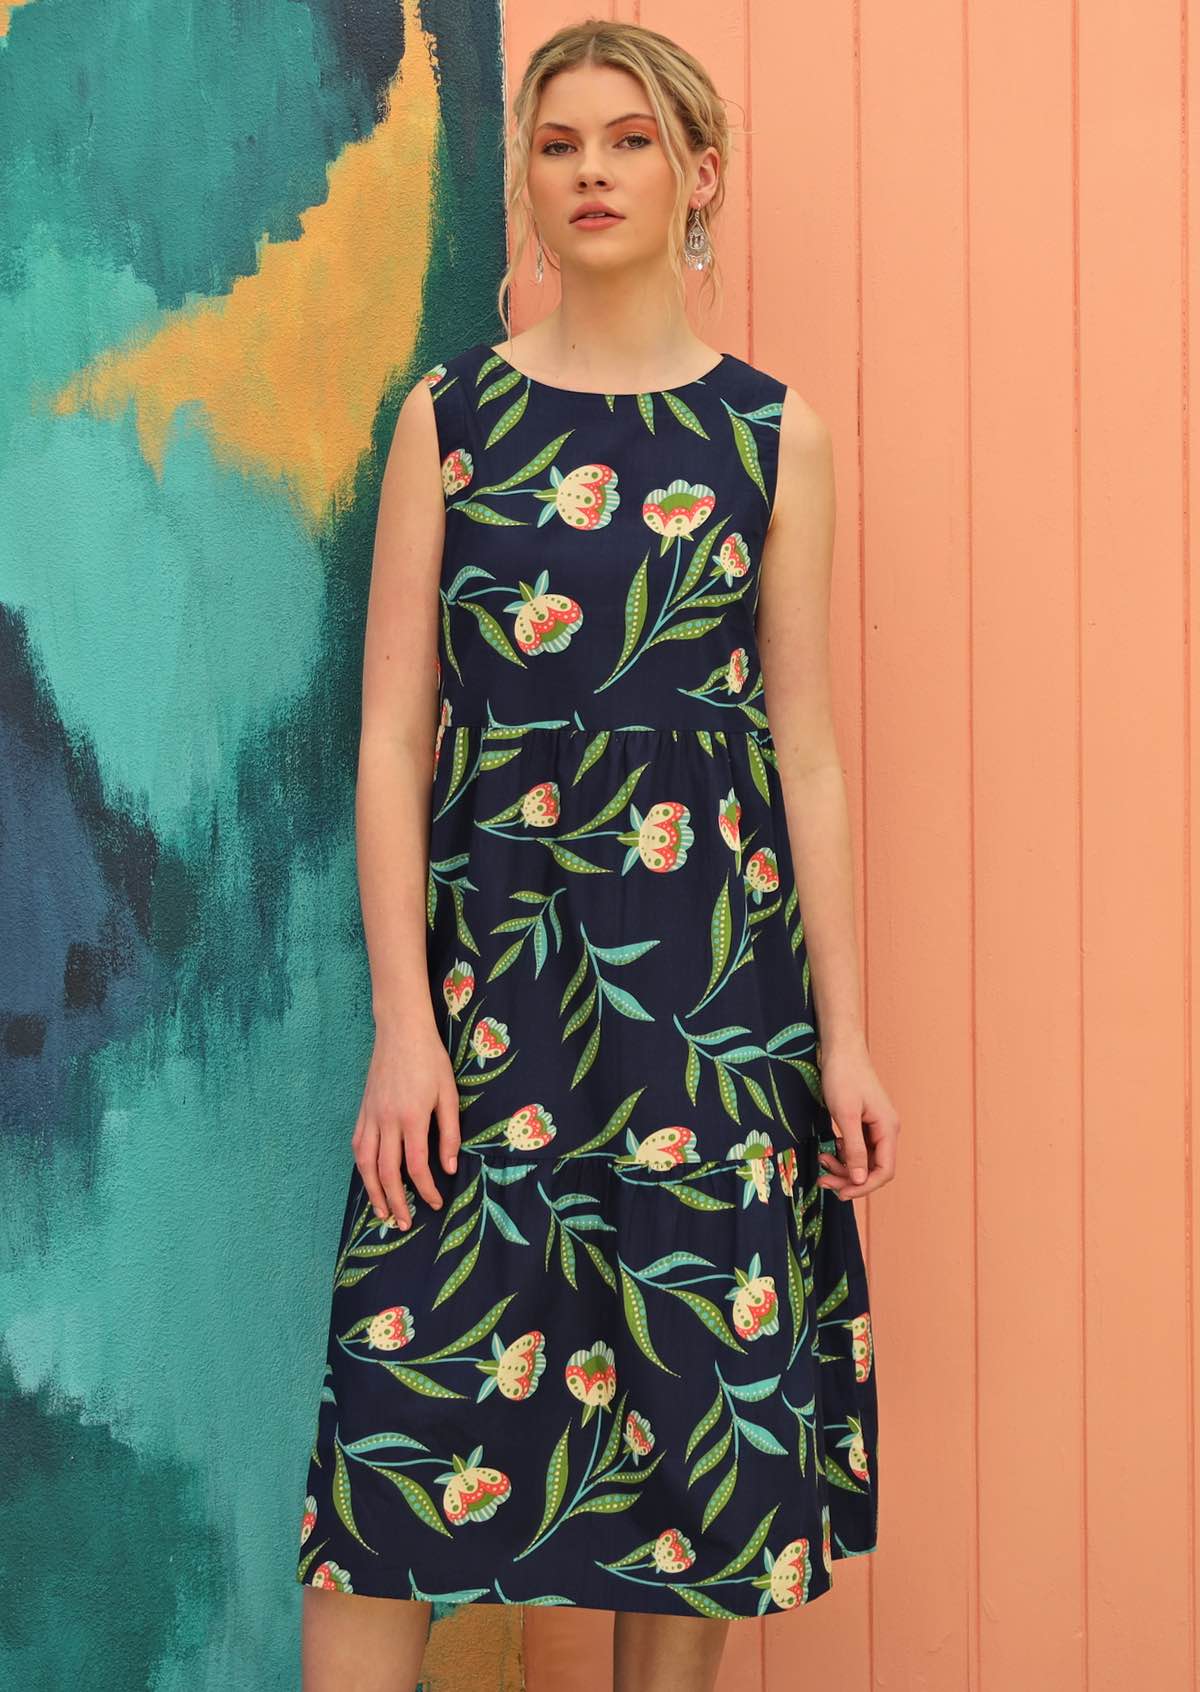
[539, 269]
[697, 248]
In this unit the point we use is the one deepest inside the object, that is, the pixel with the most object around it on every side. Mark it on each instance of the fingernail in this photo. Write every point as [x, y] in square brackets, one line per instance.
[860, 1174]
[452, 1164]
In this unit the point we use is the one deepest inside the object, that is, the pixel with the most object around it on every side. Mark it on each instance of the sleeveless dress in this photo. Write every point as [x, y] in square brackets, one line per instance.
[629, 1364]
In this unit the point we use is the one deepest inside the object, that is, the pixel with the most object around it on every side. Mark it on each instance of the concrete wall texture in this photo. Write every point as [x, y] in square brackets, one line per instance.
[230, 235]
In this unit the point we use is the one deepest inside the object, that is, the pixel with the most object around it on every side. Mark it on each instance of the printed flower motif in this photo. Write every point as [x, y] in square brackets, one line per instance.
[762, 873]
[757, 1151]
[787, 1170]
[489, 1038]
[433, 375]
[587, 496]
[517, 1368]
[733, 557]
[826, 1539]
[457, 469]
[437, 672]
[663, 837]
[309, 1519]
[856, 1455]
[664, 1150]
[739, 670]
[678, 510]
[540, 805]
[443, 723]
[729, 821]
[458, 986]
[389, 1221]
[790, 1575]
[545, 622]
[333, 1576]
[392, 1329]
[860, 1345]
[673, 1552]
[530, 1128]
[473, 1493]
[639, 1436]
[755, 1303]
[591, 1377]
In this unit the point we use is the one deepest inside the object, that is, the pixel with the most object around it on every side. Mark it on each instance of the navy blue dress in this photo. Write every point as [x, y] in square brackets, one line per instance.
[629, 1364]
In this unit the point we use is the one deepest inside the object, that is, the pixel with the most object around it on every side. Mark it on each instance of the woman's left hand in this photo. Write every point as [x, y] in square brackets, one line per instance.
[865, 1117]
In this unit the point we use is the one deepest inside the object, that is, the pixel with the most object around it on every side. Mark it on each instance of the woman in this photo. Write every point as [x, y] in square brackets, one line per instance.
[607, 1341]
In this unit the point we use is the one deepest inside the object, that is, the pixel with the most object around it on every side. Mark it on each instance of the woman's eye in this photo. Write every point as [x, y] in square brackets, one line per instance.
[552, 146]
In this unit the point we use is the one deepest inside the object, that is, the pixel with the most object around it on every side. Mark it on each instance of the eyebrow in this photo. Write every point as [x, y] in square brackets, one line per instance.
[647, 117]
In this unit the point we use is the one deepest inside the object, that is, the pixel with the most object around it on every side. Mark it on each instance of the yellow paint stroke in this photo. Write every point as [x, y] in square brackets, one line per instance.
[7, 8]
[475, 1645]
[290, 364]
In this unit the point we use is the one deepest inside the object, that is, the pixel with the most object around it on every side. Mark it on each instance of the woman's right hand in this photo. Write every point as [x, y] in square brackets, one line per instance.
[410, 1079]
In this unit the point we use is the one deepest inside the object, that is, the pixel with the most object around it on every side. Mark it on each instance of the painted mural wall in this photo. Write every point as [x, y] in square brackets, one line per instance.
[230, 237]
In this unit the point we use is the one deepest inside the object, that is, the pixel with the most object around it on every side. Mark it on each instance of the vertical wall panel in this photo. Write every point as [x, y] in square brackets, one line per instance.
[1138, 1504]
[961, 235]
[1025, 846]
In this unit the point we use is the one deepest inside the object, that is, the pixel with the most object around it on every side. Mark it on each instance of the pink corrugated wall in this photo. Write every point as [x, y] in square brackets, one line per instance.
[965, 239]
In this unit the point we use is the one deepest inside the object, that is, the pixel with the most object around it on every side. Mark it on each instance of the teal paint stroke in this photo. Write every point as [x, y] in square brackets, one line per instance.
[175, 135]
[186, 1302]
[169, 617]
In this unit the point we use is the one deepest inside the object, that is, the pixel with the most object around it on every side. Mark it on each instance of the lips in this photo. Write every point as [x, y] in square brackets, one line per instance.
[598, 211]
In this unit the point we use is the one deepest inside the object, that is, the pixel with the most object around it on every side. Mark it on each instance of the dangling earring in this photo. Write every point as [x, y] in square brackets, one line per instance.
[697, 248]
[539, 268]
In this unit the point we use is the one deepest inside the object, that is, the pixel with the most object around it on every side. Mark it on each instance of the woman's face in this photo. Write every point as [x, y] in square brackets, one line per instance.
[594, 139]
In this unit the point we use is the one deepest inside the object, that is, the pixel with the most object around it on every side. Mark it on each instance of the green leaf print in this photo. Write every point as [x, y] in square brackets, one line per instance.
[607, 812]
[636, 1320]
[459, 1275]
[492, 632]
[534, 468]
[711, 1457]
[684, 413]
[416, 1497]
[720, 930]
[484, 514]
[719, 1499]
[480, 1331]
[417, 1382]
[508, 420]
[609, 1132]
[709, 1315]
[605, 1503]
[556, 1481]
[692, 629]
[707, 1606]
[747, 450]
[341, 1494]
[636, 601]
[747, 1554]
[706, 1423]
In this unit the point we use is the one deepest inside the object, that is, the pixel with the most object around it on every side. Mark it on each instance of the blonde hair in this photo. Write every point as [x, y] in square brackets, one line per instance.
[686, 105]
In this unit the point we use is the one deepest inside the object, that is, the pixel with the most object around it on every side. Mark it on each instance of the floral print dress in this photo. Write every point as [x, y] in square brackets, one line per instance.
[629, 1363]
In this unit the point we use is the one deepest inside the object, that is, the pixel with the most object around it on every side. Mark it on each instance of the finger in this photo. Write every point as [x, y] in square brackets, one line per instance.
[393, 1180]
[449, 1131]
[854, 1152]
[416, 1151]
[365, 1141]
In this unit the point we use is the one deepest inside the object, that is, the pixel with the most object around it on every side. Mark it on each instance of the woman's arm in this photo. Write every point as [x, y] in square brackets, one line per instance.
[411, 1076]
[793, 639]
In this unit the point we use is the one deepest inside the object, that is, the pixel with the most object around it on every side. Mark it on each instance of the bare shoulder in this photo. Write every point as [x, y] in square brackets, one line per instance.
[805, 473]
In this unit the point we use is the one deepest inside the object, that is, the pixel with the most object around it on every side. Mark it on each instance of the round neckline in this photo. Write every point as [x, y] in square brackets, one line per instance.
[604, 393]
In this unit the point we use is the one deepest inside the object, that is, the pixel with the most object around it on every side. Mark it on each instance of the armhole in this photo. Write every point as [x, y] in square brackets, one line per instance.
[450, 413]
[769, 458]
